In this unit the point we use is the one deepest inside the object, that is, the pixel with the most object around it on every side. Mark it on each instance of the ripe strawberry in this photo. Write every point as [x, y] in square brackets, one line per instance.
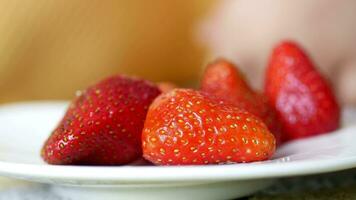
[103, 125]
[303, 99]
[191, 127]
[224, 80]
[166, 86]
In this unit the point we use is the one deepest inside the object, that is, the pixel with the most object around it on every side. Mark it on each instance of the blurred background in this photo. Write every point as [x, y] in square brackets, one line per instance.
[50, 49]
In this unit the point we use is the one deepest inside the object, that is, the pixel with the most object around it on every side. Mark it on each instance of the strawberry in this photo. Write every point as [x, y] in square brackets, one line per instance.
[305, 103]
[185, 127]
[166, 86]
[103, 125]
[223, 79]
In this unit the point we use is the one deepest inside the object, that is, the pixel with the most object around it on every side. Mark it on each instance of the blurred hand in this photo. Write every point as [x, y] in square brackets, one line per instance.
[246, 30]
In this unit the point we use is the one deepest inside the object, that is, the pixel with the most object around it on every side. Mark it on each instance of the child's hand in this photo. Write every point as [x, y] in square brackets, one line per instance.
[246, 30]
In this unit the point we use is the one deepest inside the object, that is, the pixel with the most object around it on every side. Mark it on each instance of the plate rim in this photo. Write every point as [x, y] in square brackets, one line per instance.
[143, 174]
[136, 174]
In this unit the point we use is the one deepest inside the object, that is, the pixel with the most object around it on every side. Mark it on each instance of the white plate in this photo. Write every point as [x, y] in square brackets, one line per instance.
[24, 127]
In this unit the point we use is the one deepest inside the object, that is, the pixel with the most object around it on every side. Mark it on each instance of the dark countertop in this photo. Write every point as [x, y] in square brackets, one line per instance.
[339, 185]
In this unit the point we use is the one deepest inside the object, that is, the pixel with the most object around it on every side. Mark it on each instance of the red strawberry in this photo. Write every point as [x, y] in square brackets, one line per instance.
[305, 103]
[191, 127]
[224, 80]
[166, 86]
[221, 77]
[103, 125]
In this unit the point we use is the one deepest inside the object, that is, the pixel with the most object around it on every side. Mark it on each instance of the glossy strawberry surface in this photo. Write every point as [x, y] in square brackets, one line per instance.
[188, 127]
[103, 125]
[303, 98]
[224, 80]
